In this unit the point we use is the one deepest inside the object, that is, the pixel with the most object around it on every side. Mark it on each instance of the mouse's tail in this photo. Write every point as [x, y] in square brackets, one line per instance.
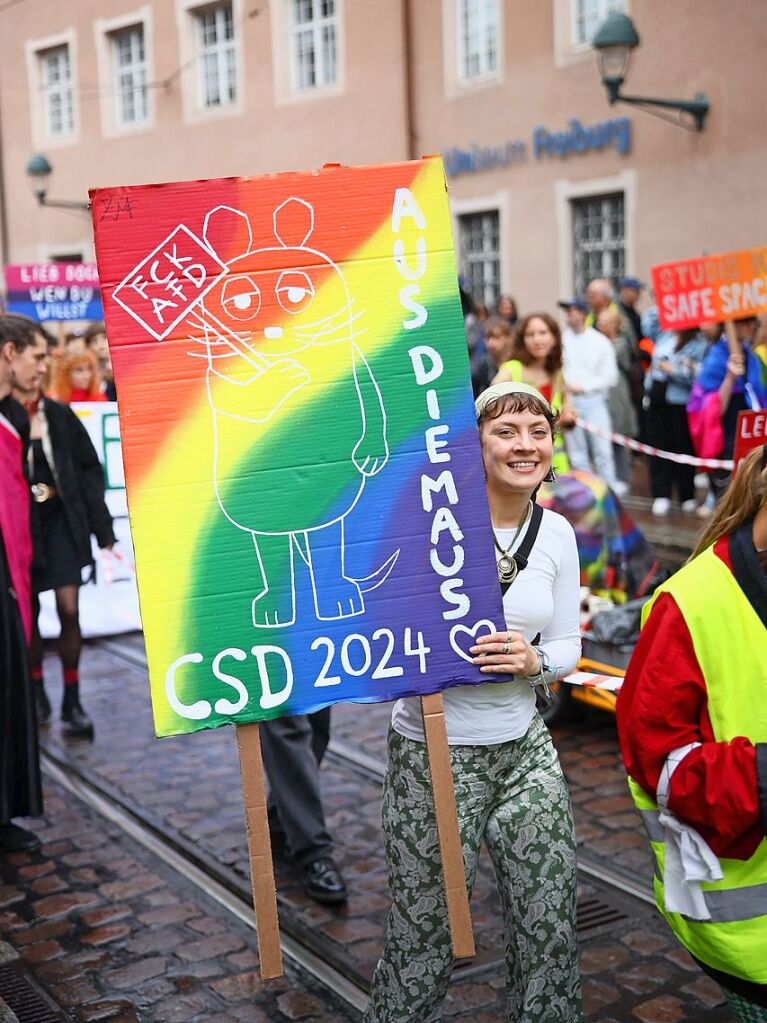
[368, 582]
[377, 578]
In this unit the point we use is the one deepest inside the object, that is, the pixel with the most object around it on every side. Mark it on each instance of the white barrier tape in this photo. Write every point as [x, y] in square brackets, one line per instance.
[648, 449]
[590, 680]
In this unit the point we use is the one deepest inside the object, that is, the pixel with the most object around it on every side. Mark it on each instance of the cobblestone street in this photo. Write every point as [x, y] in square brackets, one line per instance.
[356, 351]
[113, 933]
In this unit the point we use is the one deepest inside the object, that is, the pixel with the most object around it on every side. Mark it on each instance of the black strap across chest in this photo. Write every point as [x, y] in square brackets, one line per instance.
[522, 555]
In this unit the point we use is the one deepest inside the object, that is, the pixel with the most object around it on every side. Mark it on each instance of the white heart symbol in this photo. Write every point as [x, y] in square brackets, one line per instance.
[471, 632]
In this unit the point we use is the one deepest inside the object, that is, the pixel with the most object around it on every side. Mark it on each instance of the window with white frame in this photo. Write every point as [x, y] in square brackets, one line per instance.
[217, 55]
[477, 38]
[56, 85]
[314, 43]
[599, 239]
[480, 241]
[588, 15]
[129, 63]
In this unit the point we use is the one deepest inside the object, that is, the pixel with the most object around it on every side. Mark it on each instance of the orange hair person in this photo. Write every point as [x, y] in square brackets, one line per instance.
[76, 378]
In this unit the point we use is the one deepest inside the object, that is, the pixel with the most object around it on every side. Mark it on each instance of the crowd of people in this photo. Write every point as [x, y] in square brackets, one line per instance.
[82, 369]
[613, 373]
[691, 717]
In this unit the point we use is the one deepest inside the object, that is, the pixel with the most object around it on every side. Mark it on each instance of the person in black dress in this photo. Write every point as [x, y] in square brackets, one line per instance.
[68, 505]
[20, 788]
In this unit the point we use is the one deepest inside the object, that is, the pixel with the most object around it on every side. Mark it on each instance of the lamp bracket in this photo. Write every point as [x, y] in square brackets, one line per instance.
[62, 204]
[697, 107]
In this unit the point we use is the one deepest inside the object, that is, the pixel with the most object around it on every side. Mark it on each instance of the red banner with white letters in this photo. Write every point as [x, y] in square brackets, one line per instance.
[751, 432]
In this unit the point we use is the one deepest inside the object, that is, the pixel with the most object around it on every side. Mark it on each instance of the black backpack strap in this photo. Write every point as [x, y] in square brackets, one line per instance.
[522, 555]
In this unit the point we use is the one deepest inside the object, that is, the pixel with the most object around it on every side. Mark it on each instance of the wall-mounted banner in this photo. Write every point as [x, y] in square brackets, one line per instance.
[301, 456]
[54, 291]
[728, 286]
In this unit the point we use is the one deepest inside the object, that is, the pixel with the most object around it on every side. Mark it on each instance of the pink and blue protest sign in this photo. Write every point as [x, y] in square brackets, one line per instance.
[53, 291]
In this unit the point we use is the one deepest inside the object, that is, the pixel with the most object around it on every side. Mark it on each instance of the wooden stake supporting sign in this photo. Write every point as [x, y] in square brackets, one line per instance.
[260, 851]
[432, 708]
[733, 342]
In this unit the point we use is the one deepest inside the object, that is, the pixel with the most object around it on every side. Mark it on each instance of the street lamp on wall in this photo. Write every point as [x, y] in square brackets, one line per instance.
[39, 170]
[614, 42]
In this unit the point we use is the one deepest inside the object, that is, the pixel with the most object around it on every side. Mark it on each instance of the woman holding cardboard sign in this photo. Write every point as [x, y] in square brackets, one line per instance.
[509, 787]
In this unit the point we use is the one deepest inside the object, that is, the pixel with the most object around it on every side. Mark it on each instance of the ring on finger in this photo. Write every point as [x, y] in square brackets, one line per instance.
[505, 647]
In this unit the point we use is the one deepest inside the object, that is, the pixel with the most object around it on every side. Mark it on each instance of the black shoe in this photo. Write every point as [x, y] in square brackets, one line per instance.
[323, 882]
[78, 724]
[15, 839]
[42, 703]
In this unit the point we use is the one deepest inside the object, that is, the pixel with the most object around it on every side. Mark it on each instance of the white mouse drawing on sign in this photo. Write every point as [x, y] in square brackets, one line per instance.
[296, 438]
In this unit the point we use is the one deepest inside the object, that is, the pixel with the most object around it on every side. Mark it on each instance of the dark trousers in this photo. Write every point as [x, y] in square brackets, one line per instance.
[292, 748]
[667, 429]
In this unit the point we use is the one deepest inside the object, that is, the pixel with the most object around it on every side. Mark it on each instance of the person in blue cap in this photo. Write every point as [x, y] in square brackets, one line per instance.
[629, 292]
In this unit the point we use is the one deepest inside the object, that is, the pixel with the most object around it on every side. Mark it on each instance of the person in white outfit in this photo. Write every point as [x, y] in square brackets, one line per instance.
[590, 370]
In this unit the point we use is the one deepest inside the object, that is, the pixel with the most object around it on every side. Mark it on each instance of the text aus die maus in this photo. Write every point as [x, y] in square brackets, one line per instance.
[359, 654]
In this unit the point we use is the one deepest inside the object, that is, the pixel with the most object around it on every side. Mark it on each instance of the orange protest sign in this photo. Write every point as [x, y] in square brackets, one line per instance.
[727, 286]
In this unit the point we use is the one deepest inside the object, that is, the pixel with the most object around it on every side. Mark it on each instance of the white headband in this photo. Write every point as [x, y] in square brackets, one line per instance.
[491, 394]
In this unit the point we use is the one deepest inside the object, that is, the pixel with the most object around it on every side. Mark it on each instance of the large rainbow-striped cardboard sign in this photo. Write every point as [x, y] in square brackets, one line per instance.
[304, 476]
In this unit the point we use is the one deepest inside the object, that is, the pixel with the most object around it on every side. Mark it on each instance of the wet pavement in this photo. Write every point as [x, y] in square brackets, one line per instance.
[113, 933]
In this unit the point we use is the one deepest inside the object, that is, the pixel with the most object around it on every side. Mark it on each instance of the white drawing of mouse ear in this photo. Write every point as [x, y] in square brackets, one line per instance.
[293, 222]
[228, 231]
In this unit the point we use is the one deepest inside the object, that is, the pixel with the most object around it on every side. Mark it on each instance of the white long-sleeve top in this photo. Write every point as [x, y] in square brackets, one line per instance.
[589, 360]
[543, 599]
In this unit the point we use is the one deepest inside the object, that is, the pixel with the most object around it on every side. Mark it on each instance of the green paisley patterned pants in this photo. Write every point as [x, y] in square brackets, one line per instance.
[514, 796]
[743, 1010]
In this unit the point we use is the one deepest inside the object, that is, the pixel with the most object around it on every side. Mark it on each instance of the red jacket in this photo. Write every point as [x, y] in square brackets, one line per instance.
[662, 706]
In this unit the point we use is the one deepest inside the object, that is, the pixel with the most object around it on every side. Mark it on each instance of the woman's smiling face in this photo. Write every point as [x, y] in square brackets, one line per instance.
[516, 448]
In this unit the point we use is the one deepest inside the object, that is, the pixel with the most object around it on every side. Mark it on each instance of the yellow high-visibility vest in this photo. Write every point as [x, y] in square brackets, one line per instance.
[730, 643]
[559, 460]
